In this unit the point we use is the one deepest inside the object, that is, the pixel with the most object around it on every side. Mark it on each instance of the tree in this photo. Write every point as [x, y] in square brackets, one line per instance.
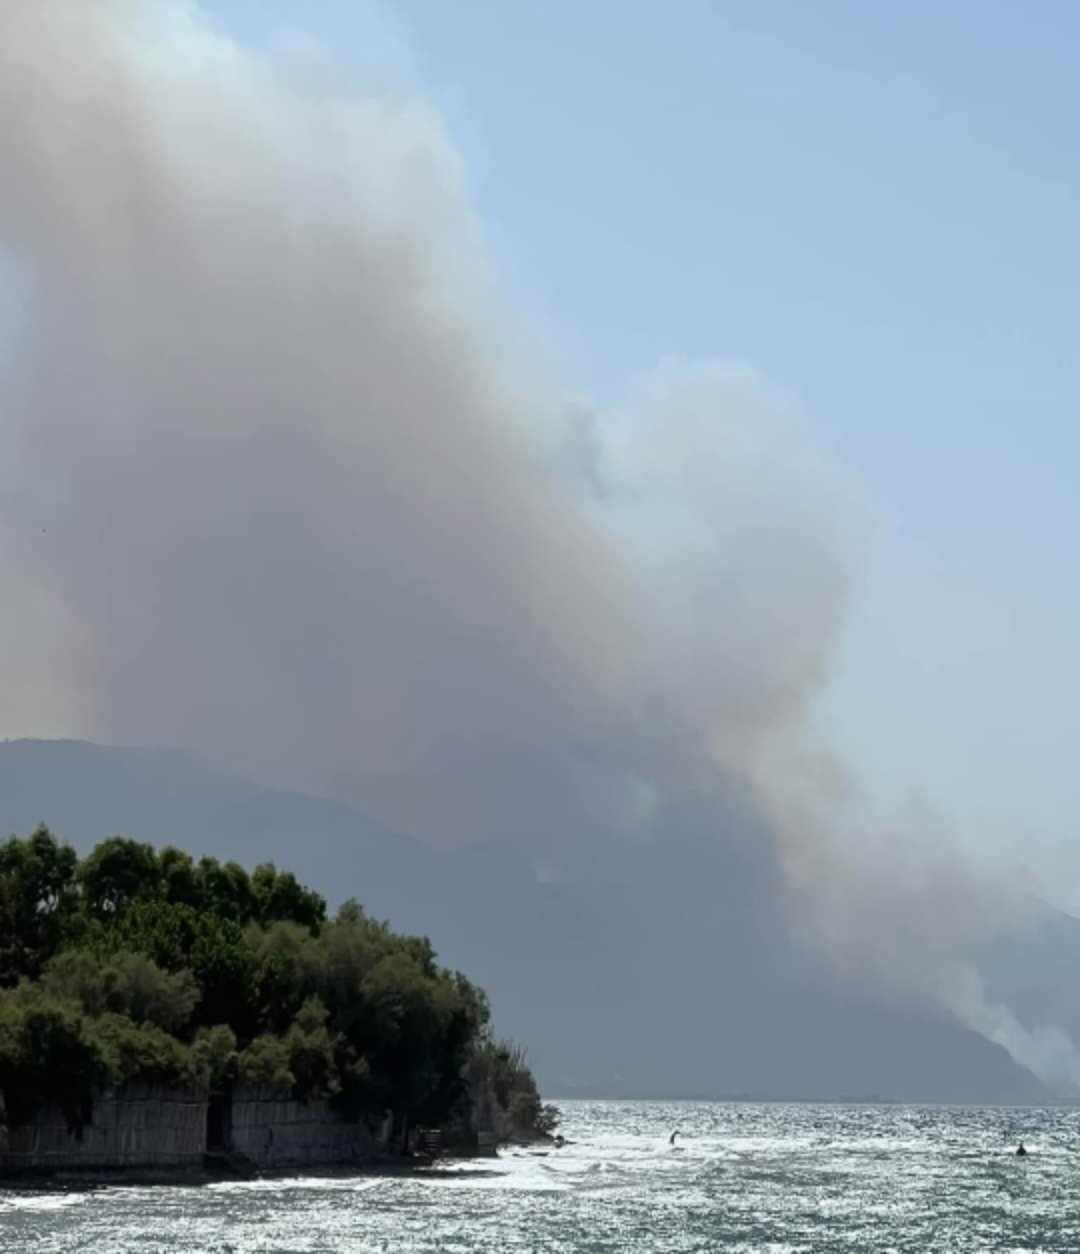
[284, 961]
[226, 890]
[180, 882]
[47, 1054]
[138, 965]
[125, 983]
[118, 872]
[280, 897]
[222, 962]
[37, 898]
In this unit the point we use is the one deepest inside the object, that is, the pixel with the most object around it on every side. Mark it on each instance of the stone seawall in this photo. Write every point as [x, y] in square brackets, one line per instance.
[144, 1128]
[137, 1126]
[273, 1130]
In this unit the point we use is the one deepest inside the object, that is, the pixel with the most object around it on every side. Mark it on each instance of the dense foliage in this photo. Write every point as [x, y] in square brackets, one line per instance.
[135, 964]
[503, 1090]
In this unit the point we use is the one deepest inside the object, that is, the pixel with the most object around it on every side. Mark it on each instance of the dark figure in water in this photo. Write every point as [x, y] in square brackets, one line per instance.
[1021, 1152]
[671, 1139]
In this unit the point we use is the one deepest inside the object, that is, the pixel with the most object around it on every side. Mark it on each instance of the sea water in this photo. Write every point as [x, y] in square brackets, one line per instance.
[741, 1177]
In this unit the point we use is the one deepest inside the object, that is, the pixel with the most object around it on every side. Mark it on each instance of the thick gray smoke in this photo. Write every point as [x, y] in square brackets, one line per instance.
[266, 454]
[275, 483]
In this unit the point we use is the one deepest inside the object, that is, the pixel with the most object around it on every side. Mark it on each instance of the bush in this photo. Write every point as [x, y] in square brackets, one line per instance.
[48, 1054]
[125, 984]
[549, 1119]
[500, 1080]
[214, 1054]
[265, 1062]
[311, 1053]
[141, 1051]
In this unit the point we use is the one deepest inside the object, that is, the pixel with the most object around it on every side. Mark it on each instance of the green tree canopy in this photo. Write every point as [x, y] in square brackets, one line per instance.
[139, 964]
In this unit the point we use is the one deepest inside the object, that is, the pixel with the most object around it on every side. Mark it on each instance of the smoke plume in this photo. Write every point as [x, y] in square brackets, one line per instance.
[277, 484]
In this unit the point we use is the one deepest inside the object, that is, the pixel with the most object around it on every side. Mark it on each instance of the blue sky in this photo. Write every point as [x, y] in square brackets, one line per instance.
[876, 206]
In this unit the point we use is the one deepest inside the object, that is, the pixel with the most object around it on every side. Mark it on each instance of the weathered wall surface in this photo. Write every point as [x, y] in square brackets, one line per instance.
[137, 1126]
[273, 1130]
[145, 1128]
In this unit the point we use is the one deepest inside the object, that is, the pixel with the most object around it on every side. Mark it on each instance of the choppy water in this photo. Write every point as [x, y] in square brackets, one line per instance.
[777, 1178]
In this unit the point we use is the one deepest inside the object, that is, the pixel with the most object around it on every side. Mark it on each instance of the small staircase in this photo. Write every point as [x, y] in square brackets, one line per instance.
[429, 1142]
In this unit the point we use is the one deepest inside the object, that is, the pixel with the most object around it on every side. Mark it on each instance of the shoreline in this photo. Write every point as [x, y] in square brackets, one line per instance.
[46, 1180]
[73, 1180]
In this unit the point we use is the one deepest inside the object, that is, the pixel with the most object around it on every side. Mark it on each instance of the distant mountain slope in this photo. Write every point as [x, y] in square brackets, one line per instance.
[648, 970]
[86, 792]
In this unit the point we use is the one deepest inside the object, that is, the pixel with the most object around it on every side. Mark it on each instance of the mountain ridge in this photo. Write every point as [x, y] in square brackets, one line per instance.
[663, 969]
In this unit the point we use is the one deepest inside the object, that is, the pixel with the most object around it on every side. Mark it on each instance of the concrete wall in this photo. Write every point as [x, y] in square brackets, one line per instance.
[144, 1128]
[273, 1130]
[136, 1126]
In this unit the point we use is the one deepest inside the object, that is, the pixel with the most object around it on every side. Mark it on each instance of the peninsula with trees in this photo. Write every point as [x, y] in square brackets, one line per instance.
[158, 1012]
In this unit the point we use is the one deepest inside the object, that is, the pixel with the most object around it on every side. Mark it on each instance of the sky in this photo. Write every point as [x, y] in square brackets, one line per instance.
[527, 423]
[875, 206]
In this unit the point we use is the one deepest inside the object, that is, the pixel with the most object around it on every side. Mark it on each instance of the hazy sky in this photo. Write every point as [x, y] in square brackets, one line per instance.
[874, 205]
